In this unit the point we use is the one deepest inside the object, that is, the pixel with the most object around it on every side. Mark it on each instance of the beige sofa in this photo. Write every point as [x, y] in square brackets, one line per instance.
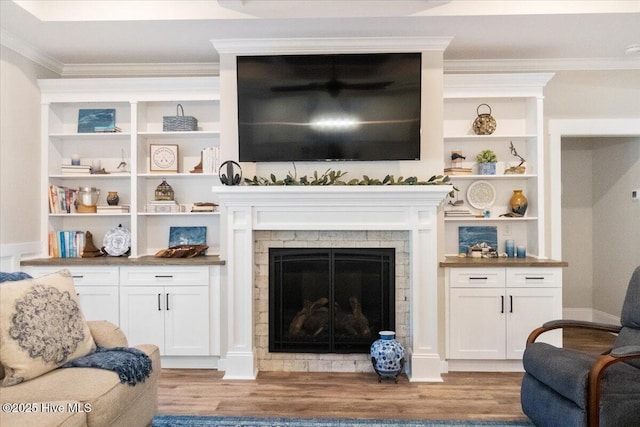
[84, 396]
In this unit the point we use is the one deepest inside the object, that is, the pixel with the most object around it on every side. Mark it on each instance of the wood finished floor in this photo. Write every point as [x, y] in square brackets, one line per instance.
[462, 395]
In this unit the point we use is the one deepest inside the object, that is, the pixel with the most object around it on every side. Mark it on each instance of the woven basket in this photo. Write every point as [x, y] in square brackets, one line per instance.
[179, 122]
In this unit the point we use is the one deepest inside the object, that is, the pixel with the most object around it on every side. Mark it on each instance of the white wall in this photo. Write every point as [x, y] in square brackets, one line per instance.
[19, 155]
[616, 220]
[593, 95]
[577, 223]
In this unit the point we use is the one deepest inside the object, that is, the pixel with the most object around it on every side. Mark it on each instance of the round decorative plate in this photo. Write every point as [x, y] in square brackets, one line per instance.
[117, 241]
[481, 194]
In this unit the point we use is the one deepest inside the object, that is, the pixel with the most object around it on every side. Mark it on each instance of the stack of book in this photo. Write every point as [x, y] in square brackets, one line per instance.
[458, 213]
[66, 244]
[458, 171]
[163, 206]
[204, 207]
[76, 169]
[62, 199]
[107, 209]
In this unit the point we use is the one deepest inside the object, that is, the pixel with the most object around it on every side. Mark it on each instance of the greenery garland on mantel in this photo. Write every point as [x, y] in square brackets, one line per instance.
[331, 177]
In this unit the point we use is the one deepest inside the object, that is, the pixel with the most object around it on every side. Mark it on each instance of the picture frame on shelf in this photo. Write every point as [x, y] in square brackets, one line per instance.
[195, 235]
[163, 158]
[92, 120]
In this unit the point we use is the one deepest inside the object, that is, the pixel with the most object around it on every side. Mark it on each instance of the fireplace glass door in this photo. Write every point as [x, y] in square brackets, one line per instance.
[330, 300]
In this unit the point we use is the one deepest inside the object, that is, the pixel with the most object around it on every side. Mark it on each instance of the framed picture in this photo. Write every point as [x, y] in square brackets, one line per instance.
[96, 120]
[469, 236]
[187, 236]
[163, 158]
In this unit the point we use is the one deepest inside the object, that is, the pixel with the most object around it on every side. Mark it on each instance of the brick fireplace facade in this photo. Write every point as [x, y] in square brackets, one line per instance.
[343, 215]
[310, 362]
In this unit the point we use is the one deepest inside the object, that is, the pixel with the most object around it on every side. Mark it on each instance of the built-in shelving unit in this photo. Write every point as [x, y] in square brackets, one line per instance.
[140, 105]
[516, 102]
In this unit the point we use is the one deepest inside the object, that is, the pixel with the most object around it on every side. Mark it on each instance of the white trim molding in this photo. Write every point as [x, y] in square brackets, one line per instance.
[287, 46]
[340, 208]
[12, 253]
[16, 44]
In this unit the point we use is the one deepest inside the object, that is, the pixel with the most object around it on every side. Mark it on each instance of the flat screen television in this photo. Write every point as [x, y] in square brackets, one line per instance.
[329, 107]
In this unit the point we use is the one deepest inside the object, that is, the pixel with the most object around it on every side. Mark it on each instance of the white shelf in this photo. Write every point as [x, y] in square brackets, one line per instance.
[485, 138]
[502, 219]
[178, 213]
[141, 104]
[181, 135]
[90, 135]
[494, 177]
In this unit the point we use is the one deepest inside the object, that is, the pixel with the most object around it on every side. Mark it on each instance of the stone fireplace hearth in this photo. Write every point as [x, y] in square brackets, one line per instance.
[248, 212]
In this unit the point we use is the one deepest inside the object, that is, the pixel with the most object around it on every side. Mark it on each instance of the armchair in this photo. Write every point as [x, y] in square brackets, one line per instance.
[564, 387]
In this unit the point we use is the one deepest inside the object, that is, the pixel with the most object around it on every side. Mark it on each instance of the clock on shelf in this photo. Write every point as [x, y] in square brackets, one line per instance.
[163, 158]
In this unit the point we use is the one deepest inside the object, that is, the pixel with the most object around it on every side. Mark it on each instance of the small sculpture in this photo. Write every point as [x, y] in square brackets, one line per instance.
[520, 169]
[90, 250]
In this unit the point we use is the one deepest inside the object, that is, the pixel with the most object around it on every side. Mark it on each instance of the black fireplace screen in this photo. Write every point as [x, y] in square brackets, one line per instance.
[330, 300]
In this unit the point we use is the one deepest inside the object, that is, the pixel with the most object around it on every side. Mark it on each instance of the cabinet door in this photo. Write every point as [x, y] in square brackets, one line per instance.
[186, 321]
[477, 329]
[527, 309]
[99, 302]
[142, 315]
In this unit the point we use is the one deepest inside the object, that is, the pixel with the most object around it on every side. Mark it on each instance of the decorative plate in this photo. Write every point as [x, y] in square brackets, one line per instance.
[117, 241]
[481, 194]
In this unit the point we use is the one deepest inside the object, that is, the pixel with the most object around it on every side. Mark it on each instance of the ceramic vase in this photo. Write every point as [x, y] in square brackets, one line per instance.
[113, 198]
[387, 356]
[518, 203]
[487, 168]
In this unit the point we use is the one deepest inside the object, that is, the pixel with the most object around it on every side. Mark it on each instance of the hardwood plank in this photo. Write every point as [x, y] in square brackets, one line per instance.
[462, 395]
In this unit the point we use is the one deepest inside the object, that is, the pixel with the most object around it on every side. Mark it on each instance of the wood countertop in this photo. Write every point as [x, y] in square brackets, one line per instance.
[458, 262]
[124, 261]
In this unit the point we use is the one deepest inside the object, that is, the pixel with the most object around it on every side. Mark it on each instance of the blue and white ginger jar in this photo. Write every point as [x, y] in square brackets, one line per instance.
[387, 354]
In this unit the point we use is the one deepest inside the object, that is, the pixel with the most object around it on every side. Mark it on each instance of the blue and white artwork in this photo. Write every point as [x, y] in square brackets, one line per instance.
[96, 120]
[469, 236]
[187, 236]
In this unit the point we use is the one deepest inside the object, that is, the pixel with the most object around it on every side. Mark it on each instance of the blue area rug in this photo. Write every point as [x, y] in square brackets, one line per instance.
[197, 421]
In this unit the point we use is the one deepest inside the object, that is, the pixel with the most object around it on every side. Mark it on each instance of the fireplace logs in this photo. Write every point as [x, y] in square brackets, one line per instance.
[313, 319]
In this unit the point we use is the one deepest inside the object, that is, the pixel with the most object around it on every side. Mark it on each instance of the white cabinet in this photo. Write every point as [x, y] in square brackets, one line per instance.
[491, 311]
[140, 105]
[167, 306]
[97, 289]
[516, 102]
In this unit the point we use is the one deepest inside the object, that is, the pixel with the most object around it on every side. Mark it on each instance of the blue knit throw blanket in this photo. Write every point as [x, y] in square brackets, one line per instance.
[131, 365]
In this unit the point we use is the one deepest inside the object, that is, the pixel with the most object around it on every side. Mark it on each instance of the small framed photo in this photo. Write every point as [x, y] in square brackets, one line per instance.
[187, 236]
[97, 120]
[163, 158]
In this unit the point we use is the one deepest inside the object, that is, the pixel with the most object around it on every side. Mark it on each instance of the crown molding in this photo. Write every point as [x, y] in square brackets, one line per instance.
[14, 43]
[537, 65]
[284, 46]
[141, 69]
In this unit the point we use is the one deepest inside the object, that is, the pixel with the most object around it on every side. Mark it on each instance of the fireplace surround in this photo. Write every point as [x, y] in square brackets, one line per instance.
[247, 209]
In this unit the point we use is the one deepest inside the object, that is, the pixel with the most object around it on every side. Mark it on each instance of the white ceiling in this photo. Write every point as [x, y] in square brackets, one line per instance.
[118, 36]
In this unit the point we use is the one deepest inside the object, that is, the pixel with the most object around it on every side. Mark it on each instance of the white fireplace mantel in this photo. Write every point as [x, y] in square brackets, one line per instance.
[412, 208]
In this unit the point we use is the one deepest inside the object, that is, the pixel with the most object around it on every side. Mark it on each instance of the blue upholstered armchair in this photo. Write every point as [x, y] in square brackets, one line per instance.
[563, 387]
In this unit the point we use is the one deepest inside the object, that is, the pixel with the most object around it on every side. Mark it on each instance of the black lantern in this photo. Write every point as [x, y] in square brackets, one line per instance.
[164, 191]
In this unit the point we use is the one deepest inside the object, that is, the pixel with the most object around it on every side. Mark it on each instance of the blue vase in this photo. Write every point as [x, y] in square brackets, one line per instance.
[387, 356]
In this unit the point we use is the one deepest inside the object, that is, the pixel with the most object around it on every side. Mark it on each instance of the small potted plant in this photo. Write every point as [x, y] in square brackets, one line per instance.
[486, 162]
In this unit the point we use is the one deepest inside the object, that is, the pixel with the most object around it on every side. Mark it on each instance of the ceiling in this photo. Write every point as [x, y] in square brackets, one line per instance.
[162, 37]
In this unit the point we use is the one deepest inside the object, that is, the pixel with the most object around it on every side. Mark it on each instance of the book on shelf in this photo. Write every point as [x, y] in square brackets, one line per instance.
[204, 207]
[162, 206]
[209, 161]
[62, 199]
[75, 169]
[458, 213]
[458, 171]
[66, 244]
[106, 129]
[112, 209]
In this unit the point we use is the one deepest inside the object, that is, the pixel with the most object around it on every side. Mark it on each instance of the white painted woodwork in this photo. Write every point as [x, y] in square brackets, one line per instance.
[410, 208]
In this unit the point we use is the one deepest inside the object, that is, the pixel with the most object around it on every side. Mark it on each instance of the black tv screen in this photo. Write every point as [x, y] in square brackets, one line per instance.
[329, 107]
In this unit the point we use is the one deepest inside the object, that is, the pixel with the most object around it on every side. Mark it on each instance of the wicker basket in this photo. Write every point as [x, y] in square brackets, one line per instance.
[179, 122]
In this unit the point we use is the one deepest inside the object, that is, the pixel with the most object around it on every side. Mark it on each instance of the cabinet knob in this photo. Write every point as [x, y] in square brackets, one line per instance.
[478, 278]
[159, 307]
[167, 304]
[502, 304]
